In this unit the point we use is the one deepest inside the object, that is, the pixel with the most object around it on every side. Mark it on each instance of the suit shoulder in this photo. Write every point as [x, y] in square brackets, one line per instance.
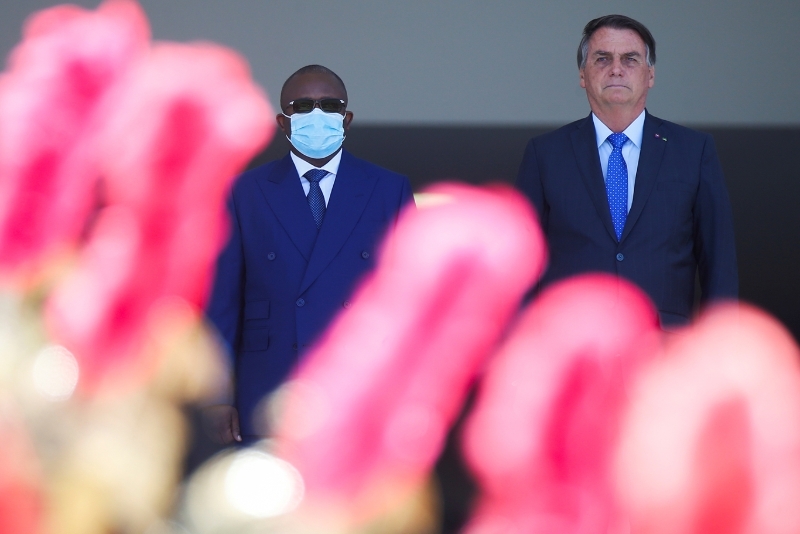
[376, 170]
[248, 179]
[678, 131]
[558, 135]
[261, 170]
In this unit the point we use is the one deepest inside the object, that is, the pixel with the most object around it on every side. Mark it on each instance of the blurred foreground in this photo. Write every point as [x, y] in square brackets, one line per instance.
[115, 156]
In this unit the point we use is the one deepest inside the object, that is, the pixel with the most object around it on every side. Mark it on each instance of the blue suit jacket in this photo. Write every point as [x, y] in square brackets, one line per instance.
[279, 282]
[680, 220]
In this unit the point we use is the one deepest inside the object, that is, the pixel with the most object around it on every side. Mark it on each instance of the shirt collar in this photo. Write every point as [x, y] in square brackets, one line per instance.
[634, 131]
[303, 166]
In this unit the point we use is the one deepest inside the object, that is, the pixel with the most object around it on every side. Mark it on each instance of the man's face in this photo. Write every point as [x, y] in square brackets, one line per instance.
[315, 86]
[616, 74]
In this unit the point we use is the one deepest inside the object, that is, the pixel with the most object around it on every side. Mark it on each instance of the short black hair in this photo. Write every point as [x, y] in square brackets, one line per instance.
[617, 22]
[313, 69]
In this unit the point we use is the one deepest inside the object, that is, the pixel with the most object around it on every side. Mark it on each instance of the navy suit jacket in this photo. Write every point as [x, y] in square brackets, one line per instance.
[279, 282]
[680, 222]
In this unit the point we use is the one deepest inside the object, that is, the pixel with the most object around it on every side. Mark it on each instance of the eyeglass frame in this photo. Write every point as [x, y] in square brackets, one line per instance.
[317, 104]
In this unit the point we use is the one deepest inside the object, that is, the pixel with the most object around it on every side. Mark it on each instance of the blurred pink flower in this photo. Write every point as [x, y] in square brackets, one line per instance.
[544, 428]
[711, 437]
[367, 412]
[188, 119]
[21, 495]
[54, 98]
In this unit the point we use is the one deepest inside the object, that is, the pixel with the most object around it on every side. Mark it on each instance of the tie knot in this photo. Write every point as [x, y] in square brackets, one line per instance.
[315, 175]
[617, 139]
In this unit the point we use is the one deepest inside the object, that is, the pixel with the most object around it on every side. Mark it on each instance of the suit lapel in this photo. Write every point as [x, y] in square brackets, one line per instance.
[649, 163]
[284, 194]
[584, 144]
[351, 191]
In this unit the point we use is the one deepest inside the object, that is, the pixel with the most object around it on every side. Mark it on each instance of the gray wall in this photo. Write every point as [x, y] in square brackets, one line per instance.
[493, 63]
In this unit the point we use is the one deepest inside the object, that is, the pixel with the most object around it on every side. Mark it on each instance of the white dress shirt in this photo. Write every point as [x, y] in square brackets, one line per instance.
[326, 183]
[630, 151]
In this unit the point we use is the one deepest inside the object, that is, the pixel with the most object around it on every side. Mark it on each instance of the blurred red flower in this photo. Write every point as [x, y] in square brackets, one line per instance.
[544, 428]
[54, 98]
[711, 437]
[21, 498]
[367, 412]
[188, 119]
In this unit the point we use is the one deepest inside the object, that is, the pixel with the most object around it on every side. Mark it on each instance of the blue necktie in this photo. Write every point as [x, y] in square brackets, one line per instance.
[617, 183]
[316, 200]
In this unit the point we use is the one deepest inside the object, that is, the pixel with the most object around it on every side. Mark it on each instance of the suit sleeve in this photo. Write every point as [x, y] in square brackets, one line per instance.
[529, 182]
[715, 247]
[224, 309]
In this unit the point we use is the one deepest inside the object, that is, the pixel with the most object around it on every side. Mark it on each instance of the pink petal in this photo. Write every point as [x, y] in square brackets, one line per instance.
[369, 409]
[187, 121]
[21, 495]
[544, 428]
[192, 120]
[52, 100]
[711, 439]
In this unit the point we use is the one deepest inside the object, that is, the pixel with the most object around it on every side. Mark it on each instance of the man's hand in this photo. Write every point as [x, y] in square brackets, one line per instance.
[222, 424]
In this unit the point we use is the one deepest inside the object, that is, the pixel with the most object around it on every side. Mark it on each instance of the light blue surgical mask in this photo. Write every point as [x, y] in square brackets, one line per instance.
[317, 134]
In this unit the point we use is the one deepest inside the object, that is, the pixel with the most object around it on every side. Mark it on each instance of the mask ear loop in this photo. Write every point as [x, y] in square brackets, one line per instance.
[290, 118]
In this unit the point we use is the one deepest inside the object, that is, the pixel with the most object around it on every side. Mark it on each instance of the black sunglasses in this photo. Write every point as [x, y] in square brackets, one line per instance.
[327, 105]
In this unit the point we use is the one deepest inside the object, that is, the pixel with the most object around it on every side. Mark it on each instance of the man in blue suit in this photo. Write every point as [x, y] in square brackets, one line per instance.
[304, 229]
[627, 193]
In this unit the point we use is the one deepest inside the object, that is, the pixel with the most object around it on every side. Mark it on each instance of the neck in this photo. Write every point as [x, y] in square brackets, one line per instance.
[617, 119]
[315, 162]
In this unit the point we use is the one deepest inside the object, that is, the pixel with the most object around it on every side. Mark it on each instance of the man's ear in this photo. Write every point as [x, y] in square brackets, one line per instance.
[348, 118]
[583, 81]
[284, 123]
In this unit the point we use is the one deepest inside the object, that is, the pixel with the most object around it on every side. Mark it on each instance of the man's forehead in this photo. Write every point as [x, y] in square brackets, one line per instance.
[602, 52]
[315, 84]
[608, 40]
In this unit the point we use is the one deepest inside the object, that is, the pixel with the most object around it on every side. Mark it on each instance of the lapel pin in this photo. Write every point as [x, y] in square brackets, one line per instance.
[658, 136]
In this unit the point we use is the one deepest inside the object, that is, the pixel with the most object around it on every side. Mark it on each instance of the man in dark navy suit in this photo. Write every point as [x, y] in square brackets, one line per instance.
[304, 229]
[627, 193]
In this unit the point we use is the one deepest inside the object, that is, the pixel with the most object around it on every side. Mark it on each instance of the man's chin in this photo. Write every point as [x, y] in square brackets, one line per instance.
[616, 90]
[619, 98]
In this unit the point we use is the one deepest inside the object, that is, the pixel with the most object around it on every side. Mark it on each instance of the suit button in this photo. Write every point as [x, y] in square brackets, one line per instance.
[365, 254]
[271, 256]
[294, 346]
[300, 303]
[346, 304]
[620, 256]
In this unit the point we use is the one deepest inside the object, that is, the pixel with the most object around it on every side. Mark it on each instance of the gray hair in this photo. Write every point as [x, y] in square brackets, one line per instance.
[617, 22]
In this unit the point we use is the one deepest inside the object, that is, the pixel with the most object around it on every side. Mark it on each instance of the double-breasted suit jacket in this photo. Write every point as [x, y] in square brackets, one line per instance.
[279, 281]
[680, 221]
